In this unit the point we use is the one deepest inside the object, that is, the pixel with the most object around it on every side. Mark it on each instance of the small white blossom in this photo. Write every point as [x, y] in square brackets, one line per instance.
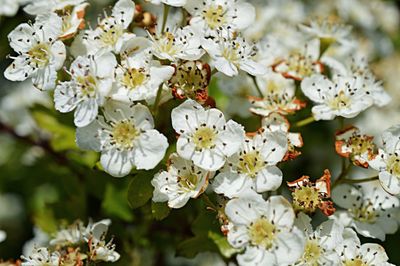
[91, 81]
[253, 166]
[40, 53]
[10, 8]
[99, 249]
[327, 31]
[179, 43]
[387, 162]
[368, 209]
[126, 138]
[211, 15]
[41, 257]
[37, 7]
[230, 53]
[111, 33]
[266, 231]
[73, 21]
[139, 77]
[353, 253]
[205, 136]
[321, 243]
[182, 181]
[338, 97]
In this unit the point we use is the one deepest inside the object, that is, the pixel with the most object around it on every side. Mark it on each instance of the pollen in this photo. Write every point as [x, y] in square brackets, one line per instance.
[354, 262]
[204, 138]
[393, 165]
[306, 198]
[365, 213]
[111, 34]
[251, 163]
[124, 135]
[341, 100]
[312, 252]
[214, 16]
[262, 233]
[87, 85]
[40, 55]
[188, 182]
[134, 78]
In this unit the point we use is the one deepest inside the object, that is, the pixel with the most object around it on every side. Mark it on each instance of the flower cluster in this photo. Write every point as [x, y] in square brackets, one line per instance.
[143, 97]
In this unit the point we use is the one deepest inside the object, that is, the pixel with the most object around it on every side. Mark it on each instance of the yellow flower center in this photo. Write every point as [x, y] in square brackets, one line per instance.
[204, 138]
[355, 262]
[124, 134]
[300, 65]
[40, 55]
[110, 35]
[167, 45]
[262, 233]
[133, 78]
[360, 144]
[231, 54]
[393, 165]
[340, 101]
[306, 199]
[215, 16]
[251, 163]
[364, 214]
[88, 85]
[189, 78]
[312, 252]
[188, 182]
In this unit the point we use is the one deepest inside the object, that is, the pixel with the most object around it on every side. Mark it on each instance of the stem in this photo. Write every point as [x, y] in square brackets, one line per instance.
[165, 17]
[305, 122]
[343, 174]
[158, 98]
[256, 85]
[209, 203]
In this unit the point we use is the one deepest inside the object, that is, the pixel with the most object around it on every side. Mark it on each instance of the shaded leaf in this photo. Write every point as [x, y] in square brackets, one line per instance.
[115, 204]
[140, 189]
[160, 210]
[223, 245]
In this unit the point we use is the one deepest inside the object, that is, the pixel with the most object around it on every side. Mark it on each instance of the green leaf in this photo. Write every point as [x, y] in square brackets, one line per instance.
[140, 189]
[114, 203]
[223, 245]
[63, 137]
[205, 222]
[160, 210]
[192, 246]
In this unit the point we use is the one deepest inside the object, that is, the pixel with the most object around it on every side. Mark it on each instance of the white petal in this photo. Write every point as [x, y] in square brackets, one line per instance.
[253, 68]
[243, 211]
[21, 38]
[59, 54]
[254, 256]
[151, 149]
[316, 87]
[290, 246]
[232, 137]
[390, 183]
[280, 211]
[64, 99]
[45, 79]
[184, 117]
[269, 179]
[86, 112]
[116, 163]
[347, 196]
[231, 184]
[209, 159]
[238, 236]
[391, 139]
[87, 137]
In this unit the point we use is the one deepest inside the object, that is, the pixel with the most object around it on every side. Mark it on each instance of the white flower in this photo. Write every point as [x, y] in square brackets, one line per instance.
[40, 54]
[91, 81]
[139, 77]
[182, 181]
[125, 137]
[328, 31]
[73, 21]
[10, 8]
[71, 235]
[340, 97]
[230, 53]
[179, 43]
[278, 95]
[99, 249]
[111, 33]
[37, 7]
[353, 253]
[253, 166]
[211, 15]
[321, 244]
[299, 63]
[265, 229]
[41, 257]
[205, 136]
[369, 209]
[387, 162]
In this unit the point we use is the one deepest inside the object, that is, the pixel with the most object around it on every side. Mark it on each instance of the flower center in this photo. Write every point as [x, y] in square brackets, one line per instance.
[214, 16]
[204, 138]
[300, 65]
[355, 262]
[40, 55]
[230, 53]
[134, 78]
[124, 135]
[393, 165]
[361, 144]
[88, 85]
[306, 198]
[167, 44]
[365, 214]
[250, 163]
[312, 252]
[111, 34]
[341, 100]
[188, 182]
[262, 233]
[190, 78]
